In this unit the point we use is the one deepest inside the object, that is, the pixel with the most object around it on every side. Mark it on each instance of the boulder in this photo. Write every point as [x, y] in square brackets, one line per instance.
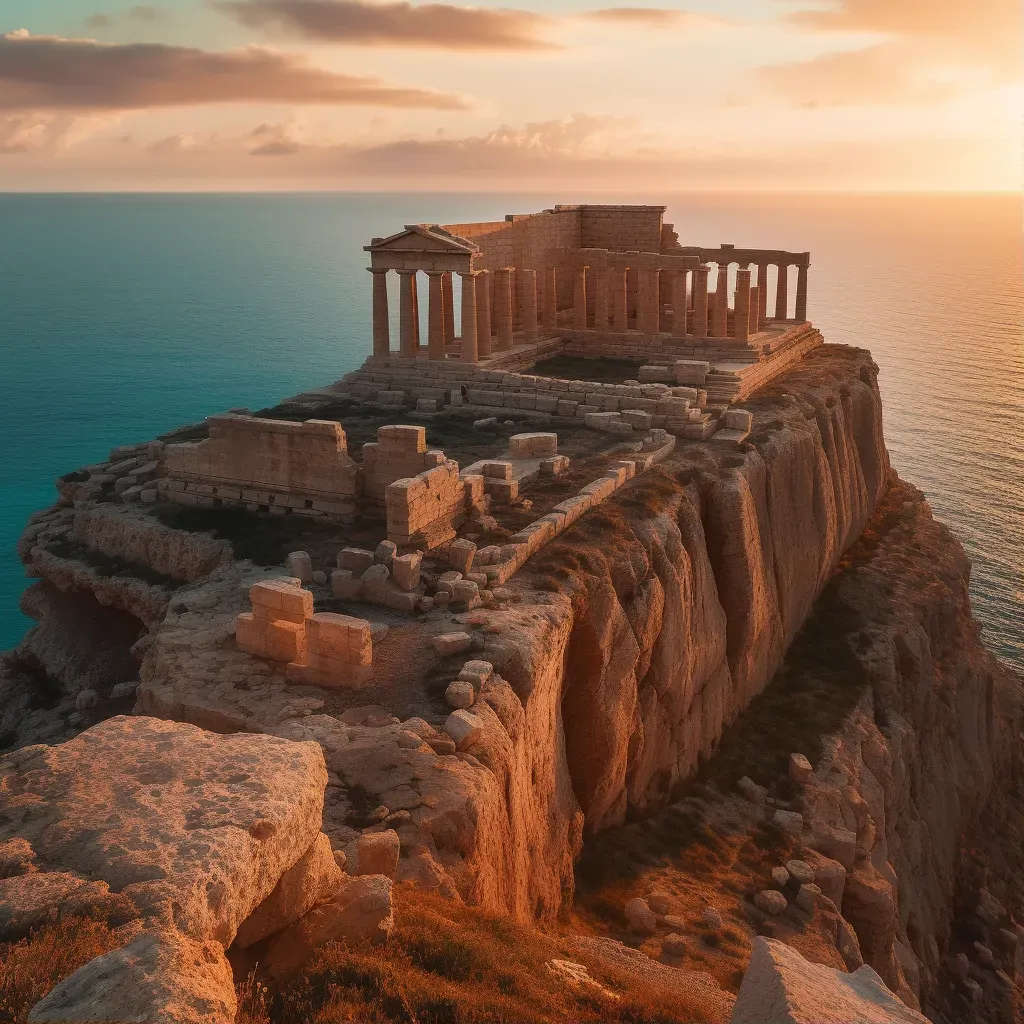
[464, 728]
[460, 694]
[311, 880]
[771, 901]
[839, 844]
[377, 853]
[800, 769]
[28, 901]
[780, 876]
[361, 911]
[781, 987]
[451, 643]
[791, 821]
[659, 902]
[640, 916]
[712, 918]
[800, 871]
[807, 896]
[188, 826]
[829, 875]
[160, 976]
[674, 945]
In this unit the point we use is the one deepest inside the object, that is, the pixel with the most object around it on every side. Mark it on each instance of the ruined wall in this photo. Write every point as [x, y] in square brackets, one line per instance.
[425, 508]
[399, 452]
[270, 462]
[622, 228]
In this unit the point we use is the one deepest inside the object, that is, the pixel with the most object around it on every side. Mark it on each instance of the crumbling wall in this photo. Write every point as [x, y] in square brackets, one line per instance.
[298, 466]
[427, 507]
[399, 452]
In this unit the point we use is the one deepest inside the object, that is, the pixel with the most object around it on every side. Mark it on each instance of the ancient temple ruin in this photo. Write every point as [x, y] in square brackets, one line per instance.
[589, 281]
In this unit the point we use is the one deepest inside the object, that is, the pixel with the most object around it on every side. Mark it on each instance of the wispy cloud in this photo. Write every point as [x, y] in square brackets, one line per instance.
[654, 17]
[358, 22]
[924, 53]
[48, 72]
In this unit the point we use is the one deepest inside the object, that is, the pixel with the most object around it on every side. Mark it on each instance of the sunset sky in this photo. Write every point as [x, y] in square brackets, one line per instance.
[373, 94]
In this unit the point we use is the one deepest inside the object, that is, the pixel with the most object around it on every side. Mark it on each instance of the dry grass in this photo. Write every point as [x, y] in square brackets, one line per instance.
[31, 968]
[451, 964]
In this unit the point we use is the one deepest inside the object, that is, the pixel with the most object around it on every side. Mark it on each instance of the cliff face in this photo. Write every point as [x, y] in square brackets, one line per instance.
[673, 605]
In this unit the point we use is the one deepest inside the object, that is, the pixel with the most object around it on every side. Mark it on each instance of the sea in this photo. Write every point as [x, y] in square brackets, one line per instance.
[122, 316]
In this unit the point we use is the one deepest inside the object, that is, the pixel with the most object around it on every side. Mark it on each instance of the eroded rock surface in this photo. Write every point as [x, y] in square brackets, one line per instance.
[781, 987]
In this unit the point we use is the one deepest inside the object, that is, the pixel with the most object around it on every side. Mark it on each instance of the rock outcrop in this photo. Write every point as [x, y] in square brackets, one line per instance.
[175, 835]
[781, 987]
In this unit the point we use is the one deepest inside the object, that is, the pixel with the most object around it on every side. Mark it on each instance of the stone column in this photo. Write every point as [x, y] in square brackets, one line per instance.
[528, 285]
[579, 300]
[449, 307]
[381, 324]
[601, 299]
[801, 294]
[617, 287]
[502, 311]
[679, 303]
[648, 302]
[782, 293]
[700, 301]
[742, 305]
[409, 321]
[435, 314]
[470, 347]
[762, 295]
[720, 305]
[549, 287]
[483, 313]
[755, 302]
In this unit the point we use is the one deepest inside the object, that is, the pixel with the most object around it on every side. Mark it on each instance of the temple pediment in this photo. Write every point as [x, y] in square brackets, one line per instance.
[426, 239]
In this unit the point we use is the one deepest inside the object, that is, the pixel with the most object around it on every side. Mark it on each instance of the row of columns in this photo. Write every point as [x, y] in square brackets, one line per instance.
[697, 311]
[488, 318]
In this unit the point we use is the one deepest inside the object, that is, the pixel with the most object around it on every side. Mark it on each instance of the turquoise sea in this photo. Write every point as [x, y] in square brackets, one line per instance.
[122, 316]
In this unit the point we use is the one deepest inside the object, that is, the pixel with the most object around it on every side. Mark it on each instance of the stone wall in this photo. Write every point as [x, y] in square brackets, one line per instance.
[426, 508]
[622, 228]
[301, 467]
[399, 452]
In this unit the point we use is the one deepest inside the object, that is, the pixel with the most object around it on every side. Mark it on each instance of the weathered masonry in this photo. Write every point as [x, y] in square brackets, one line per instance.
[598, 280]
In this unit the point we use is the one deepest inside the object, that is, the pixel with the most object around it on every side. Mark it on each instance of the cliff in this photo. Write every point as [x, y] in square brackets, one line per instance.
[728, 608]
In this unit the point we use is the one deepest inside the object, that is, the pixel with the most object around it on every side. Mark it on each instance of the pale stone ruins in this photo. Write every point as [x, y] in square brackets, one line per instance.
[607, 286]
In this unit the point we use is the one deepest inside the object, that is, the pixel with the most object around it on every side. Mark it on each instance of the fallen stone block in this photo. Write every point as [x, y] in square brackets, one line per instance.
[451, 643]
[299, 566]
[405, 570]
[532, 446]
[461, 554]
[345, 586]
[459, 694]
[355, 560]
[464, 728]
[386, 551]
[554, 466]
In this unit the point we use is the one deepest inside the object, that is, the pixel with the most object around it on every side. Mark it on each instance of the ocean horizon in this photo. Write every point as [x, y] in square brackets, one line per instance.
[123, 315]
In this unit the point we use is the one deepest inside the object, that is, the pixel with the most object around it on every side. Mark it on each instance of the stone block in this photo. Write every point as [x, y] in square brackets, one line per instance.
[460, 694]
[531, 446]
[298, 565]
[737, 419]
[800, 769]
[465, 591]
[345, 586]
[464, 728]
[461, 554]
[637, 418]
[356, 560]
[497, 471]
[477, 672]
[451, 643]
[554, 466]
[281, 599]
[405, 570]
[385, 552]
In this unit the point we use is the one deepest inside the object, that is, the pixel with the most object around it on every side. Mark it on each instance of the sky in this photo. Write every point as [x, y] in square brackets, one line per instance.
[729, 95]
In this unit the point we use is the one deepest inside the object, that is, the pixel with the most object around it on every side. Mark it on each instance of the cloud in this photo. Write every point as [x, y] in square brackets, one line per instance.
[27, 131]
[877, 75]
[655, 17]
[48, 72]
[358, 22]
[140, 12]
[986, 32]
[922, 52]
